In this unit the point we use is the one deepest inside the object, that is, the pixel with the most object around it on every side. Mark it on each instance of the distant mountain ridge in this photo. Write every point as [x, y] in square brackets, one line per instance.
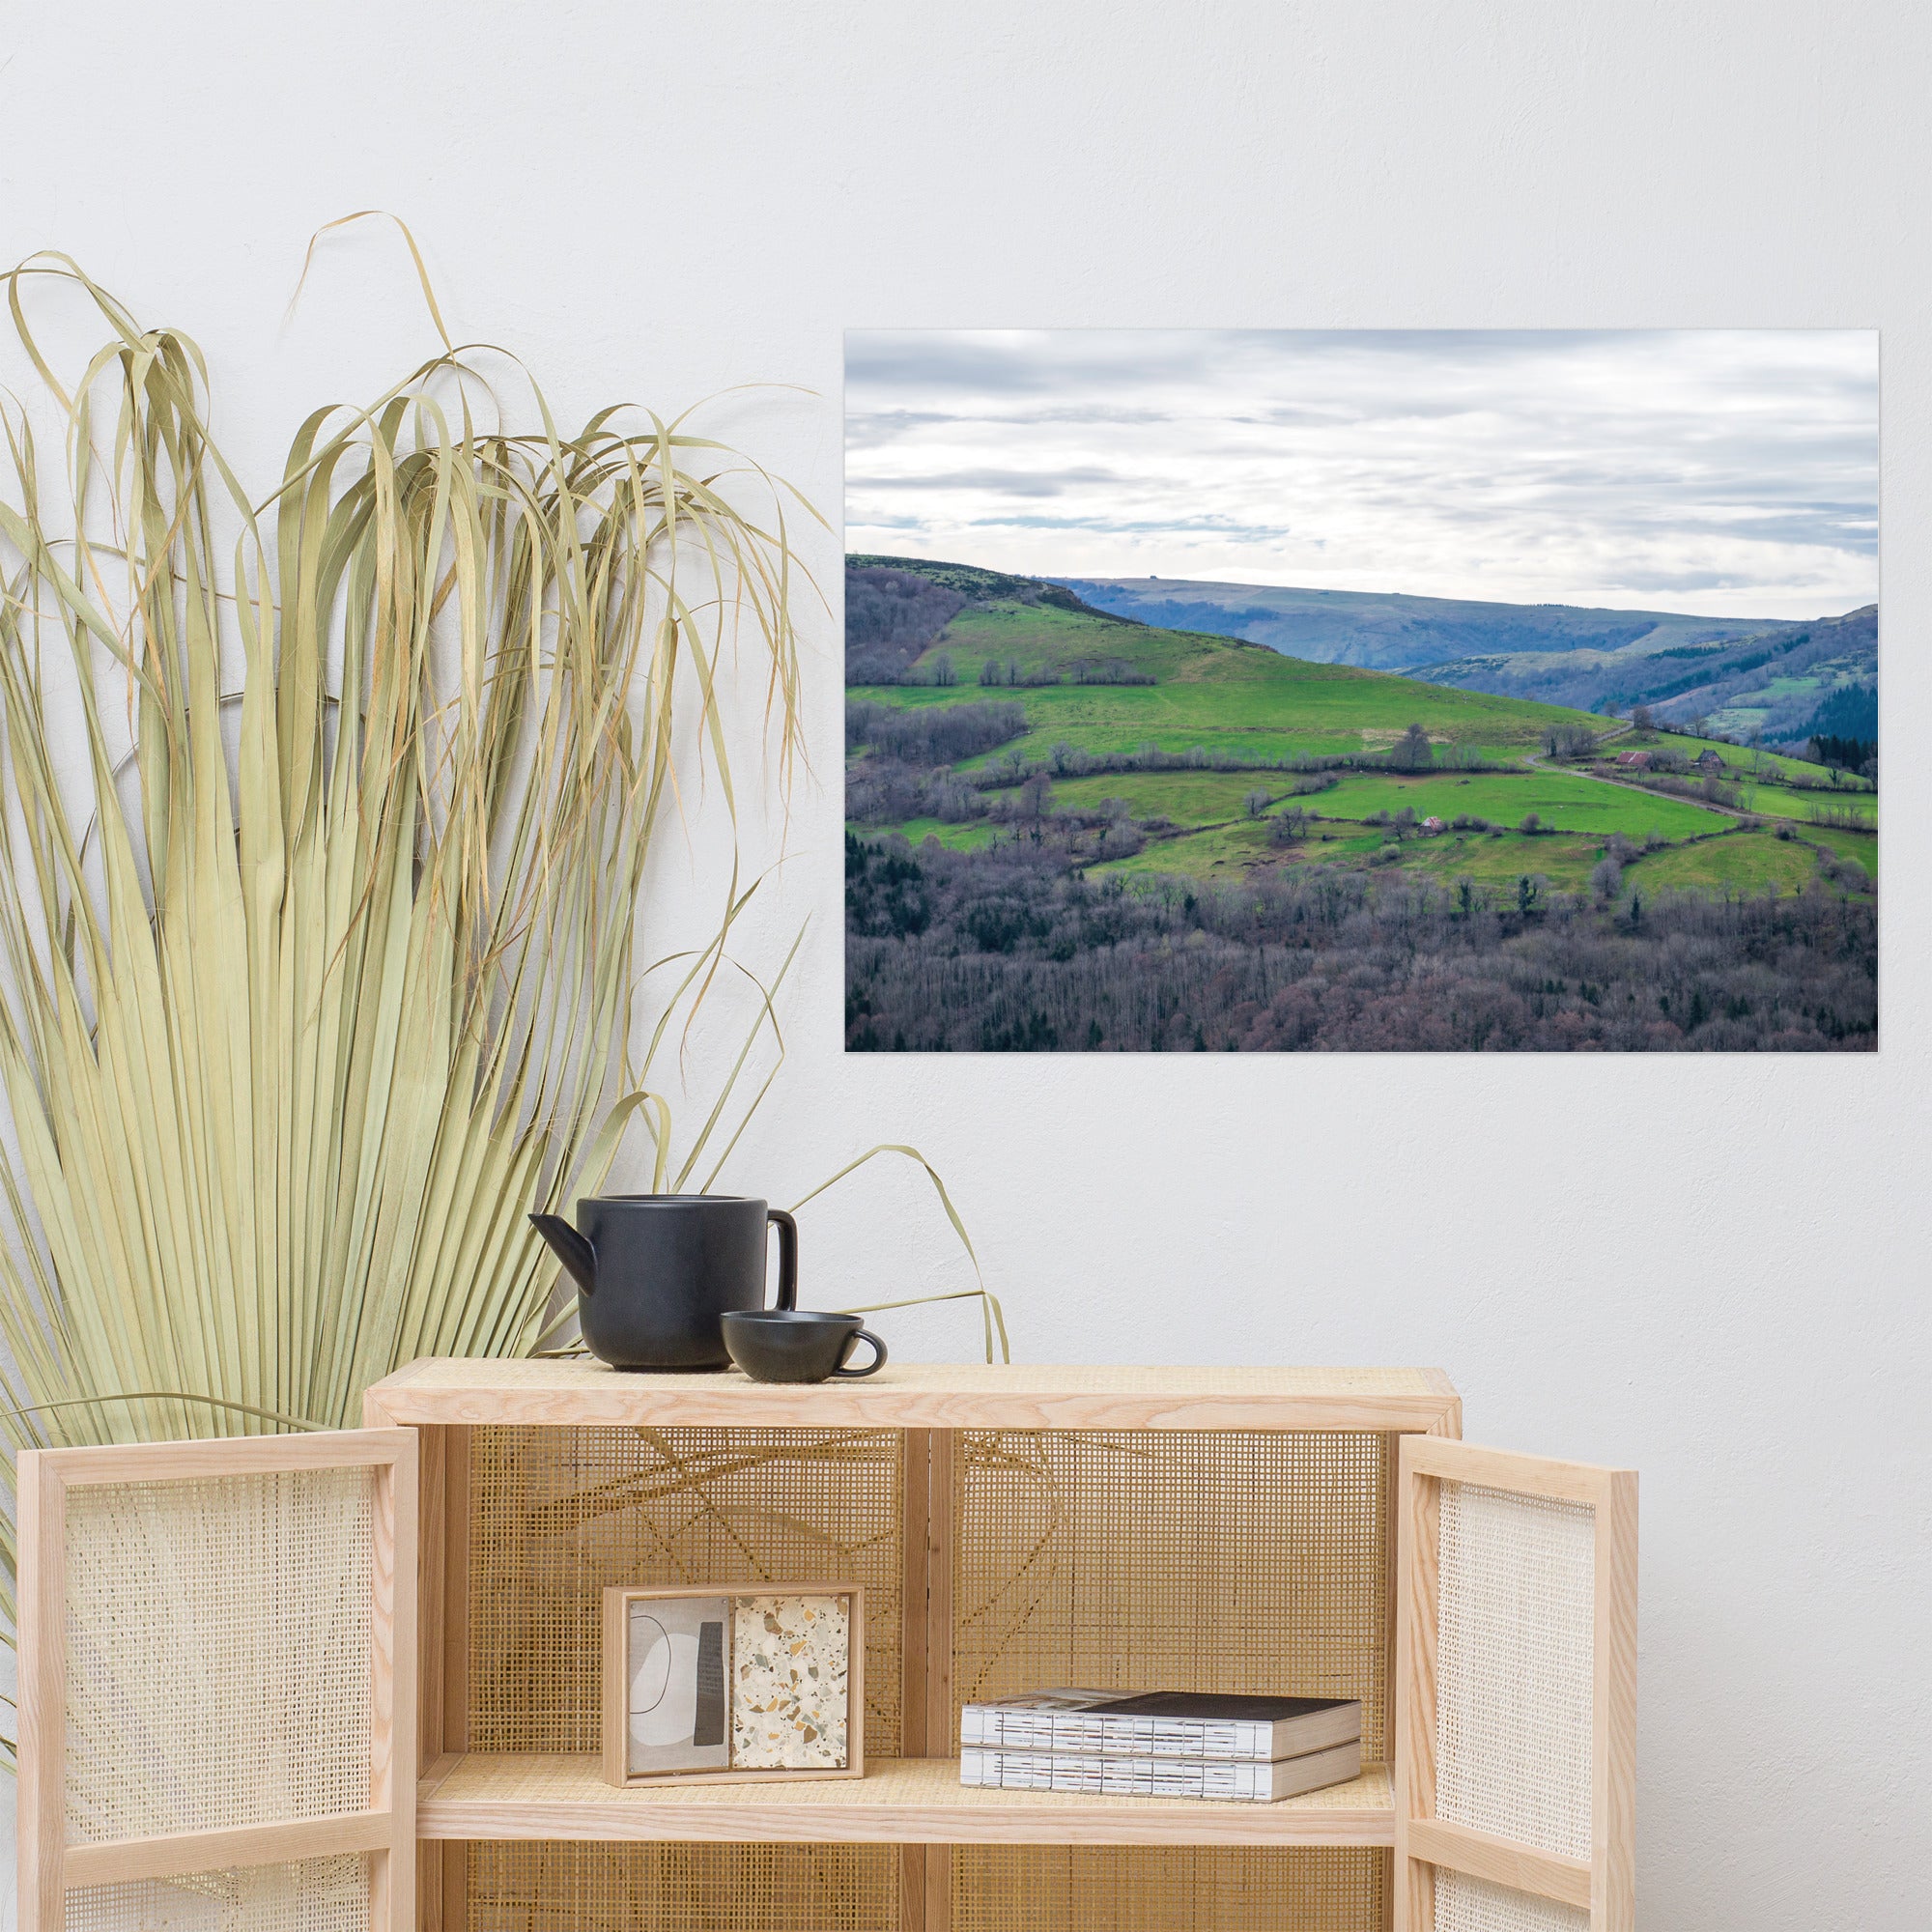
[1779, 680]
[1392, 631]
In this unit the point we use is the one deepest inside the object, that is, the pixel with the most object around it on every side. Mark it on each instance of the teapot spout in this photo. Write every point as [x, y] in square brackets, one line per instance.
[570, 1248]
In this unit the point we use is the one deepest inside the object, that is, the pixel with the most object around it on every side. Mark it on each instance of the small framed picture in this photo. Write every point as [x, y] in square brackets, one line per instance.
[751, 1684]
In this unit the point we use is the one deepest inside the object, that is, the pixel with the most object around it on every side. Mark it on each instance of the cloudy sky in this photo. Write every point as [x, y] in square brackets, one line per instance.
[1725, 472]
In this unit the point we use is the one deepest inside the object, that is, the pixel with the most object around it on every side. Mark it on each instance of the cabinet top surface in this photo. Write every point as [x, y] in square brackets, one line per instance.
[922, 1396]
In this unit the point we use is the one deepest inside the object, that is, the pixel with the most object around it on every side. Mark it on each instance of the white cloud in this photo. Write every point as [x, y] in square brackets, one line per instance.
[1730, 472]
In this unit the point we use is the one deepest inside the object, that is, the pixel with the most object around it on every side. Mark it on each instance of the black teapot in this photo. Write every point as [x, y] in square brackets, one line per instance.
[656, 1272]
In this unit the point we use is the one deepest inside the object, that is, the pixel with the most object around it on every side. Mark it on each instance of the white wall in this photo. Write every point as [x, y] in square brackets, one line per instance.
[1712, 1268]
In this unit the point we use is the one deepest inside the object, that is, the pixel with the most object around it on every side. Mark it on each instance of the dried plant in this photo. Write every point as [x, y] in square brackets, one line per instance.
[321, 970]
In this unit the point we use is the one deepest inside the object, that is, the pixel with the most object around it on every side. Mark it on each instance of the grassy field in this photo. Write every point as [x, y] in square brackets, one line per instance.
[1242, 699]
[1565, 800]
[1773, 801]
[1745, 862]
[1860, 845]
[1227, 853]
[1188, 798]
[1249, 703]
[1742, 862]
[968, 837]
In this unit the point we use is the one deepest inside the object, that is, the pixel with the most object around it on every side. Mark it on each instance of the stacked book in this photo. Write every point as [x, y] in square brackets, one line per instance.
[1163, 1744]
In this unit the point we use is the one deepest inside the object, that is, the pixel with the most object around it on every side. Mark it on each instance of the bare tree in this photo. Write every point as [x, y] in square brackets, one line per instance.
[1412, 752]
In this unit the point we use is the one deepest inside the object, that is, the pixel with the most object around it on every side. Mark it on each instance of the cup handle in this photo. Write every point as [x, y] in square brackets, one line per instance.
[872, 1366]
[788, 1257]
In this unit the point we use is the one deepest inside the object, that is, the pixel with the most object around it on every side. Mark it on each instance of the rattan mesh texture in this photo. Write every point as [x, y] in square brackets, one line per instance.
[558, 1514]
[1464, 1904]
[217, 1652]
[539, 1887]
[1513, 1669]
[1117, 1889]
[1183, 1560]
[313, 1895]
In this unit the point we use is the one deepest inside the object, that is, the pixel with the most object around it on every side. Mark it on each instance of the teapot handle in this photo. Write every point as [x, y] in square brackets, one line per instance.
[788, 1257]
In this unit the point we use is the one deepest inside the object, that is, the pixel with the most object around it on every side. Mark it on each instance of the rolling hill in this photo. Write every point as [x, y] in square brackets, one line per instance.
[1746, 678]
[1104, 686]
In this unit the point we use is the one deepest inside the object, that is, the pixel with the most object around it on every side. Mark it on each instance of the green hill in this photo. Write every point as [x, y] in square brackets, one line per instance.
[1197, 741]
[1090, 681]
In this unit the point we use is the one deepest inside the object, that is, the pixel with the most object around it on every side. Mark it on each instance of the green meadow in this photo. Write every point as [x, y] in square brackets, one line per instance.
[1744, 861]
[1248, 705]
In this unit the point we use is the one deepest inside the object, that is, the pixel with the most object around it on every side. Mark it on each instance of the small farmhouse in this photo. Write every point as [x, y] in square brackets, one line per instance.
[1708, 760]
[1433, 824]
[1635, 761]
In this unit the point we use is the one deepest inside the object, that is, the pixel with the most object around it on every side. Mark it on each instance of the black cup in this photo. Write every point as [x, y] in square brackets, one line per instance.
[791, 1344]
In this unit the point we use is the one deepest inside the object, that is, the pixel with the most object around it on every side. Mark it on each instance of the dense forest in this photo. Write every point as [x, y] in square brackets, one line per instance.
[1014, 951]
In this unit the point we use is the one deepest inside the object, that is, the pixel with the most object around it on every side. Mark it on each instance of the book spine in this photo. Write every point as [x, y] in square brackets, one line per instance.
[1013, 1729]
[1114, 1776]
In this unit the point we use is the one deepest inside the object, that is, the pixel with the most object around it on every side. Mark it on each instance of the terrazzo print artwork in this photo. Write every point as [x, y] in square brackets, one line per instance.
[790, 1660]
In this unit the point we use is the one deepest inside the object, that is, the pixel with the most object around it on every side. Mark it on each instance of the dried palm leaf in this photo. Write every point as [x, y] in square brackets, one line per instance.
[321, 971]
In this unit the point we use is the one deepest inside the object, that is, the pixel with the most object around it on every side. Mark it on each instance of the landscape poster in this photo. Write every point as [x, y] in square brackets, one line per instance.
[1264, 690]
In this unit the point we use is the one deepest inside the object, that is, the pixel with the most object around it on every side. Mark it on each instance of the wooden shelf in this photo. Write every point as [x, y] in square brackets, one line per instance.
[899, 1802]
[582, 1392]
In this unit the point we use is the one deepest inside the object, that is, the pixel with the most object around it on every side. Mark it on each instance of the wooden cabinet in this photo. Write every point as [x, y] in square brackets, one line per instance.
[1319, 1530]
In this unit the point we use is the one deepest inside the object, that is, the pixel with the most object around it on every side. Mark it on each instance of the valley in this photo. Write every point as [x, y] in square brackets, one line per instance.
[1067, 794]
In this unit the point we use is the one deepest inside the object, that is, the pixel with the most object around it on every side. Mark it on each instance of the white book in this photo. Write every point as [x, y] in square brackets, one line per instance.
[1162, 1723]
[1234, 1782]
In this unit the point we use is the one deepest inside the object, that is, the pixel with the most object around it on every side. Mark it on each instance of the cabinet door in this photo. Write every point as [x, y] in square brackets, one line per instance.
[1515, 1693]
[217, 1689]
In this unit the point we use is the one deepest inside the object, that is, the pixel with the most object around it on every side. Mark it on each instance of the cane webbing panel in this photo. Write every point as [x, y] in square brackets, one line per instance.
[1114, 1889]
[1514, 1666]
[558, 1514]
[538, 1886]
[313, 1895]
[1464, 1904]
[217, 1652]
[1249, 1561]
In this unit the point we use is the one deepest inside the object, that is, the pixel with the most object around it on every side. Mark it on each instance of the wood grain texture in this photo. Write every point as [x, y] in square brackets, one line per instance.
[41, 1639]
[916, 1476]
[941, 1516]
[1613, 1765]
[443, 1633]
[232, 1456]
[919, 1396]
[899, 1802]
[941, 1519]
[1417, 1514]
[179, 1851]
[393, 1709]
[938, 1889]
[1506, 1469]
[911, 1889]
[1606, 1884]
[613, 1715]
[1500, 1861]
[385, 1830]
